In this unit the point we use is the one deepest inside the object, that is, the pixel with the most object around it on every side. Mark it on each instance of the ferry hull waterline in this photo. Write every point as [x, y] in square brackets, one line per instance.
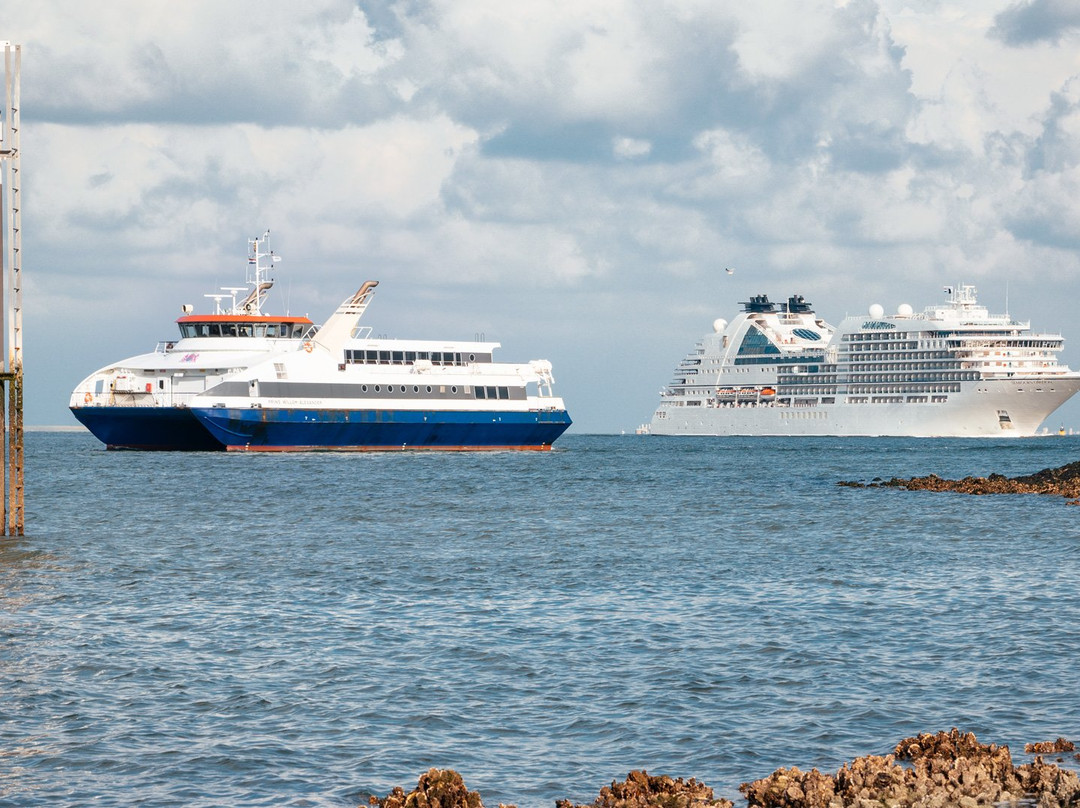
[302, 430]
[954, 370]
[171, 429]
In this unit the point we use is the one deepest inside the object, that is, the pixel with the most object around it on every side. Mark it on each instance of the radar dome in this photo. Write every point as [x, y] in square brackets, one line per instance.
[719, 324]
[904, 310]
[877, 310]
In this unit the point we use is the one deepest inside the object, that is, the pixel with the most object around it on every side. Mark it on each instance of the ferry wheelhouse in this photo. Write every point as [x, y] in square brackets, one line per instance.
[143, 402]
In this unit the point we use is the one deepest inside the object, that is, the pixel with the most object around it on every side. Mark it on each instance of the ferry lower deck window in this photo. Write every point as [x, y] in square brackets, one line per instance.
[481, 392]
[504, 392]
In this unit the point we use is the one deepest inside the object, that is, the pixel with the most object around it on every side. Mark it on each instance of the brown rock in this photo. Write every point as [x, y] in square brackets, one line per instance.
[946, 769]
[1049, 747]
[437, 788]
[1063, 481]
[640, 790]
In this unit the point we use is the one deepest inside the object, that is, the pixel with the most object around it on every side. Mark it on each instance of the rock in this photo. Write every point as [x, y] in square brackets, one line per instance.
[640, 790]
[946, 769]
[1063, 482]
[437, 788]
[1049, 747]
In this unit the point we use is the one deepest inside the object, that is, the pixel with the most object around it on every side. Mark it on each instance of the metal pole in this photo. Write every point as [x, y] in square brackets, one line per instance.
[11, 294]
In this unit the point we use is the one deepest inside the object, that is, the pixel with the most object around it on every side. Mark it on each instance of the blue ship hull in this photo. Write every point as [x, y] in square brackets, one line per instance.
[150, 428]
[380, 430]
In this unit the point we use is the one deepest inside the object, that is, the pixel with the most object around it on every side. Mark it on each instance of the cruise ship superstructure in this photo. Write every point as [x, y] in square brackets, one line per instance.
[954, 370]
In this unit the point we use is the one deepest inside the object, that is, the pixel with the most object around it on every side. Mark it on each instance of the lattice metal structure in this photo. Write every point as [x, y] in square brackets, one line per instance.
[11, 372]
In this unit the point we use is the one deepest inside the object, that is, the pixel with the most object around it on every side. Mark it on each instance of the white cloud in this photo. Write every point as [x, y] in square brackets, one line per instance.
[487, 152]
[630, 147]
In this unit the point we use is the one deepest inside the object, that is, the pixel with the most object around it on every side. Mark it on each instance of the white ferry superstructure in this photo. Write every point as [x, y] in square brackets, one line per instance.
[954, 370]
[347, 391]
[142, 402]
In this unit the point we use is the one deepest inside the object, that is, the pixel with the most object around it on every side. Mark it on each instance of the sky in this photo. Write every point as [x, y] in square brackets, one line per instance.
[567, 177]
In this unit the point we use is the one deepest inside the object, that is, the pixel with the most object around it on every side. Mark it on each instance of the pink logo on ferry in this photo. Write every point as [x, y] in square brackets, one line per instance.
[191, 357]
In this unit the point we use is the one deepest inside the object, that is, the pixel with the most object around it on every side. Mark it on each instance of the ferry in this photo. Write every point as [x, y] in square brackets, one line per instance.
[347, 391]
[143, 402]
[953, 370]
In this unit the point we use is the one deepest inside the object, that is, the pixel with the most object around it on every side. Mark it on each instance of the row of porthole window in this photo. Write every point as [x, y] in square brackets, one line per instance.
[390, 388]
[479, 392]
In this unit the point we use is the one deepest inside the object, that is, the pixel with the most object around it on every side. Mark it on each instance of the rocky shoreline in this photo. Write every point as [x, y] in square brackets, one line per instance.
[927, 771]
[1063, 481]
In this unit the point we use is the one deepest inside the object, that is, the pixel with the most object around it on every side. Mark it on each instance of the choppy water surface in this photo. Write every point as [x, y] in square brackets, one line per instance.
[309, 629]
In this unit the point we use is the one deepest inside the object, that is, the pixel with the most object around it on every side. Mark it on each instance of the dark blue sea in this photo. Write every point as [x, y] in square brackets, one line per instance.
[307, 630]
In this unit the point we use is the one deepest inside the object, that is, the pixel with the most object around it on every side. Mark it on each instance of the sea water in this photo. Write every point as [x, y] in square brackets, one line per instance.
[311, 629]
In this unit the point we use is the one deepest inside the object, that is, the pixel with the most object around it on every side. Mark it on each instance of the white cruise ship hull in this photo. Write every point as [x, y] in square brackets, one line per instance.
[986, 409]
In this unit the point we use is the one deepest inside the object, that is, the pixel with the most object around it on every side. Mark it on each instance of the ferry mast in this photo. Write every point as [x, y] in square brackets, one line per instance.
[11, 361]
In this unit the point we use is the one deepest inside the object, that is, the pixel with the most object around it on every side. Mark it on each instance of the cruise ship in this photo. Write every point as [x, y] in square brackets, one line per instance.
[954, 370]
[347, 391]
[142, 402]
